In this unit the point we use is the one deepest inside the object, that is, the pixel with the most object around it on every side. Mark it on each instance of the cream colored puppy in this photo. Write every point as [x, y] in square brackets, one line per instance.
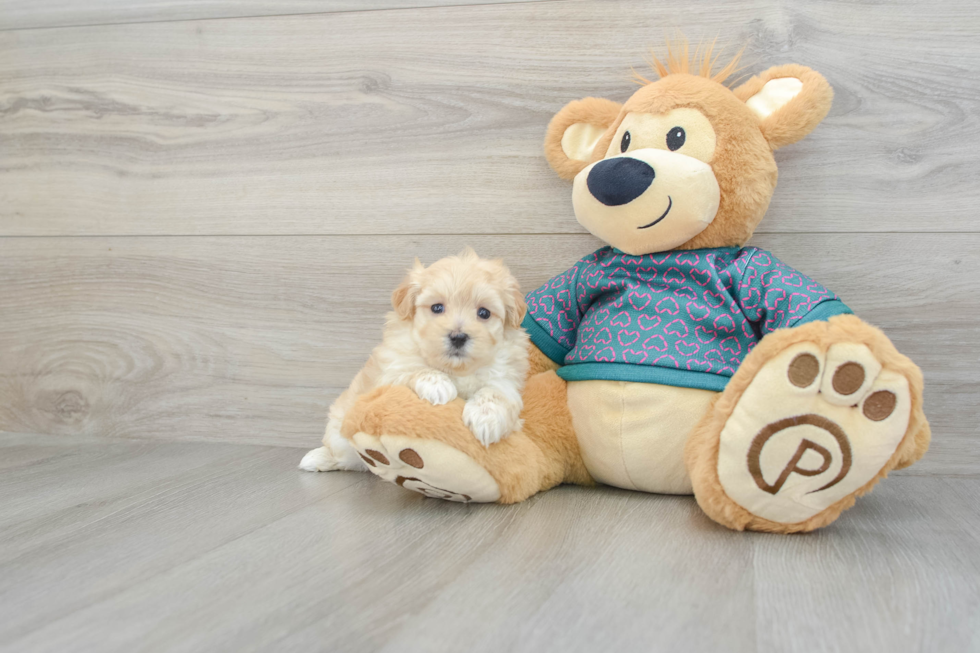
[455, 332]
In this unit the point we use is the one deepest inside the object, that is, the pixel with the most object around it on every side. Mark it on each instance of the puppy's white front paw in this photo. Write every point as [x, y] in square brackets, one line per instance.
[490, 417]
[435, 387]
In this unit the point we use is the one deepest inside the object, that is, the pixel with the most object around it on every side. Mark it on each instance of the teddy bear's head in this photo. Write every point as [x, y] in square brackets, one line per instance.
[686, 162]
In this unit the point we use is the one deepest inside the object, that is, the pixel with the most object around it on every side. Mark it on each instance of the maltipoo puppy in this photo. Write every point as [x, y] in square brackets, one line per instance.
[455, 332]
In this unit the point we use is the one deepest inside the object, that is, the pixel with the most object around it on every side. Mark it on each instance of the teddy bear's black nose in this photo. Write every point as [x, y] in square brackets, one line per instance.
[619, 181]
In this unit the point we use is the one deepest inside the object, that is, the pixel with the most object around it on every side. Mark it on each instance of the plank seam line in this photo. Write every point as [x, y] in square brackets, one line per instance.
[448, 234]
[313, 13]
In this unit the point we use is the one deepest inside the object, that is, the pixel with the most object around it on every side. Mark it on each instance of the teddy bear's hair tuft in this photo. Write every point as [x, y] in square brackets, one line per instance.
[679, 60]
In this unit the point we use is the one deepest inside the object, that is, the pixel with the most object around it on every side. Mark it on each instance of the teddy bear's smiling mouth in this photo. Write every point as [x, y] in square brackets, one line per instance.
[670, 203]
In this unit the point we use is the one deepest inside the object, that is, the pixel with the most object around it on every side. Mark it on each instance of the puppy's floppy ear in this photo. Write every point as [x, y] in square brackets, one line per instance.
[516, 307]
[789, 100]
[510, 292]
[403, 299]
[574, 132]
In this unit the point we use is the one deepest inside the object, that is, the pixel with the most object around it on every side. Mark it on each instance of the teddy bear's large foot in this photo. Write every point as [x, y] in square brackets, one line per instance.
[820, 414]
[428, 467]
[408, 441]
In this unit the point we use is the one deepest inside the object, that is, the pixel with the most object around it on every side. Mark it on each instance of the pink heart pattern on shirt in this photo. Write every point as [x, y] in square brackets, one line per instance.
[697, 310]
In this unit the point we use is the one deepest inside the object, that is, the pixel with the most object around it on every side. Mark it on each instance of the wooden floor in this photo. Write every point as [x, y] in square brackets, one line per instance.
[117, 545]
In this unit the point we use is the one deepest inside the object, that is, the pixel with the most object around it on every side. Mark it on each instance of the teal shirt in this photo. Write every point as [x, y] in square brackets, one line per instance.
[683, 318]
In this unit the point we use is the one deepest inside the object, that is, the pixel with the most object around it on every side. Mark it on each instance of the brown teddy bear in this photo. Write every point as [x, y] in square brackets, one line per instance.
[676, 360]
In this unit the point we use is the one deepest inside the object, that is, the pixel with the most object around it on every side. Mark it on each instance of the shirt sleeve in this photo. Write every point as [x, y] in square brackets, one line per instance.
[773, 295]
[553, 314]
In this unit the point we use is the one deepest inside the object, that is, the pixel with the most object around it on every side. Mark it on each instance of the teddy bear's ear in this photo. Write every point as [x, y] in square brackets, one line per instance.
[575, 130]
[789, 100]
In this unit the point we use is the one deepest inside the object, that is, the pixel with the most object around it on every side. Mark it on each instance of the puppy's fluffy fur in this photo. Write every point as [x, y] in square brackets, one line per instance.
[455, 331]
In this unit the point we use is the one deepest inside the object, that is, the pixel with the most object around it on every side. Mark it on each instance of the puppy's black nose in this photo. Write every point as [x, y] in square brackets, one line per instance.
[619, 181]
[457, 339]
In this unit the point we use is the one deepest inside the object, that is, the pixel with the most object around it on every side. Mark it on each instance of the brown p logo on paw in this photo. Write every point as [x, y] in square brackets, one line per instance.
[420, 486]
[812, 427]
[793, 466]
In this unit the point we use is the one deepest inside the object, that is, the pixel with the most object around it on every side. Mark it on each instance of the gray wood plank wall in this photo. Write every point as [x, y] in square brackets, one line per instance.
[204, 206]
[27, 14]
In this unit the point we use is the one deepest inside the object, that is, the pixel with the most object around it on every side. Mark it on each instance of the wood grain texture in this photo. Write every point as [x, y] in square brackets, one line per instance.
[908, 545]
[248, 339]
[126, 519]
[202, 216]
[431, 121]
[28, 14]
[249, 554]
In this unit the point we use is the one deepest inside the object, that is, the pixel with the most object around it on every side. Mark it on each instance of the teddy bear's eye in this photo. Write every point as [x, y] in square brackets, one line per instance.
[676, 138]
[625, 144]
[438, 308]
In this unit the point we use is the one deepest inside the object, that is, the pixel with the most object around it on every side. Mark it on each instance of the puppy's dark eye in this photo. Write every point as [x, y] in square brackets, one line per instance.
[625, 143]
[676, 138]
[438, 308]
[483, 314]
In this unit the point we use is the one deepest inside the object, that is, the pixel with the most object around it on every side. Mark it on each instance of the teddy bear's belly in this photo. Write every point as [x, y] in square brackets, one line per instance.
[632, 435]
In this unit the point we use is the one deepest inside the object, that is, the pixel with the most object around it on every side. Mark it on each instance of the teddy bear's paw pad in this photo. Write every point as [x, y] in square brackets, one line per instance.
[427, 467]
[811, 428]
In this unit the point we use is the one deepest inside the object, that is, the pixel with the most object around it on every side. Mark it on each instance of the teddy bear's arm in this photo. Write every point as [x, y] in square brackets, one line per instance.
[553, 318]
[775, 296]
[555, 311]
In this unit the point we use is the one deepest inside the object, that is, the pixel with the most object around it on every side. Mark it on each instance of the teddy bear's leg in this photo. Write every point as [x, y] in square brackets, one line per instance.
[814, 417]
[407, 441]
